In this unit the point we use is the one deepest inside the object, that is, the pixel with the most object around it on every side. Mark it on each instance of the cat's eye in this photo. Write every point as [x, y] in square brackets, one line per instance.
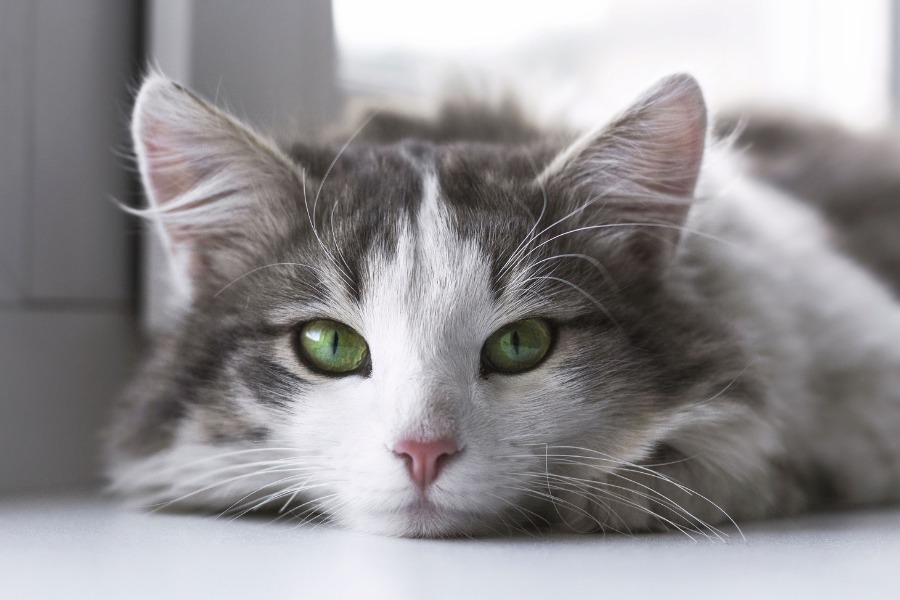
[332, 347]
[517, 347]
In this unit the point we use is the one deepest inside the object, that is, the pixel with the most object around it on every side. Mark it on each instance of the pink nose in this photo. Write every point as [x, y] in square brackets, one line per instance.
[424, 459]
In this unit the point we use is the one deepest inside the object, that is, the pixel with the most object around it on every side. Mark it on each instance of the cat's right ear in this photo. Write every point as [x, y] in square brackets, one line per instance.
[632, 182]
[210, 182]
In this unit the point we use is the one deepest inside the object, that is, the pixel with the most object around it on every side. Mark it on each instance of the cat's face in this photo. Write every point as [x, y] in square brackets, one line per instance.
[412, 339]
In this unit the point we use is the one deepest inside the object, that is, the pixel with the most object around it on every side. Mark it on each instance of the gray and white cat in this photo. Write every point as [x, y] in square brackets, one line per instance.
[439, 331]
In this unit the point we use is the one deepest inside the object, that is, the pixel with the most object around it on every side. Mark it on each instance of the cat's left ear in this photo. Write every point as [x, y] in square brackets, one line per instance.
[218, 190]
[635, 178]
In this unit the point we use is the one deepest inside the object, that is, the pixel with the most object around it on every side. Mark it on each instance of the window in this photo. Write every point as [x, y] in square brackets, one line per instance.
[583, 60]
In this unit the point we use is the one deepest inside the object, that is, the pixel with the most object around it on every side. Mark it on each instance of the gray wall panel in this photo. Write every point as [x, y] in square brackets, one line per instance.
[274, 67]
[16, 54]
[58, 373]
[66, 337]
[83, 67]
[895, 60]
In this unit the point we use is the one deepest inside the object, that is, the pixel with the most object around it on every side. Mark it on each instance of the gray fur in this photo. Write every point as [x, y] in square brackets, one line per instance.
[694, 377]
[853, 178]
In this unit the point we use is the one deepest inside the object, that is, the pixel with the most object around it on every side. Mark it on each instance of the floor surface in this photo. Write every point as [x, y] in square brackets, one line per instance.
[83, 546]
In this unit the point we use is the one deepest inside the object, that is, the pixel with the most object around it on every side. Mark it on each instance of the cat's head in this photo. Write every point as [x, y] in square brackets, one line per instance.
[412, 338]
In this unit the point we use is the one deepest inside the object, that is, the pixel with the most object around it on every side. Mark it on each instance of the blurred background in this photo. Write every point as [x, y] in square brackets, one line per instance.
[81, 287]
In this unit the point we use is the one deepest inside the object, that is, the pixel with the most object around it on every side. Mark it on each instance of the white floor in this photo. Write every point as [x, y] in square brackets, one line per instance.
[82, 546]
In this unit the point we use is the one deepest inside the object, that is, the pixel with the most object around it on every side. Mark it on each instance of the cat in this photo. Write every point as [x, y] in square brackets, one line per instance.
[433, 330]
[853, 179]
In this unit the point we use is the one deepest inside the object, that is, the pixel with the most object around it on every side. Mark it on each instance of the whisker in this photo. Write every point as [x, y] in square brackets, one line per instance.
[583, 292]
[523, 511]
[674, 506]
[251, 272]
[222, 483]
[279, 494]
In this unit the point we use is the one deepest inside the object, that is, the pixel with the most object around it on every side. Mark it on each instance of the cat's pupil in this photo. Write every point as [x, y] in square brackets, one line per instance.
[515, 341]
[334, 344]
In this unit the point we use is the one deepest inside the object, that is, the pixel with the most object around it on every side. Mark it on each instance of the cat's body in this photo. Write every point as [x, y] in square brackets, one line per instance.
[711, 358]
[851, 178]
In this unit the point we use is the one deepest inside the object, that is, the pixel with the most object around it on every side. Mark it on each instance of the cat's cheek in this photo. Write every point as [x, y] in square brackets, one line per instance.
[341, 423]
[333, 417]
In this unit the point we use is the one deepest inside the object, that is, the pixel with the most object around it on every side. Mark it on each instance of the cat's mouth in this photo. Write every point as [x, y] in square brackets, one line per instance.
[422, 506]
[423, 517]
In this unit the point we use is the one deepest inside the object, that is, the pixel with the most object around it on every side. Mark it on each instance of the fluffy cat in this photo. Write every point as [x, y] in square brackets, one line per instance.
[429, 331]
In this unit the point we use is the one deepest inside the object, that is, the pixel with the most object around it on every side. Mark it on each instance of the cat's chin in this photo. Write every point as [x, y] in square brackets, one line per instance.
[419, 519]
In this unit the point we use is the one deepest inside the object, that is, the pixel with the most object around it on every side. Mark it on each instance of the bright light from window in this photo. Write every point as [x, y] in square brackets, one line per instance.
[451, 28]
[583, 60]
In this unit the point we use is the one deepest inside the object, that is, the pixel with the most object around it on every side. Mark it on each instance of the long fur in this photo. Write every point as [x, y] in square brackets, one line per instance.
[716, 357]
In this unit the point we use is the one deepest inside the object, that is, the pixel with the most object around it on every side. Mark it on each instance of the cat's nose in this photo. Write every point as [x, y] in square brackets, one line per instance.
[424, 459]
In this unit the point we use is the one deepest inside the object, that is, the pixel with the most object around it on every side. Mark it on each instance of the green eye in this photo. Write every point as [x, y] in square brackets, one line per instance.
[517, 347]
[332, 347]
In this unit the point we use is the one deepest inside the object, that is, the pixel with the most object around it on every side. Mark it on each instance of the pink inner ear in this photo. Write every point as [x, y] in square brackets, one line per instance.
[167, 175]
[167, 170]
[679, 155]
[662, 138]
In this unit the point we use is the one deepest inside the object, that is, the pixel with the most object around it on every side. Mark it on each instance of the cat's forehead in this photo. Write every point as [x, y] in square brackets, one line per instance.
[456, 214]
[375, 196]
[434, 278]
[432, 233]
